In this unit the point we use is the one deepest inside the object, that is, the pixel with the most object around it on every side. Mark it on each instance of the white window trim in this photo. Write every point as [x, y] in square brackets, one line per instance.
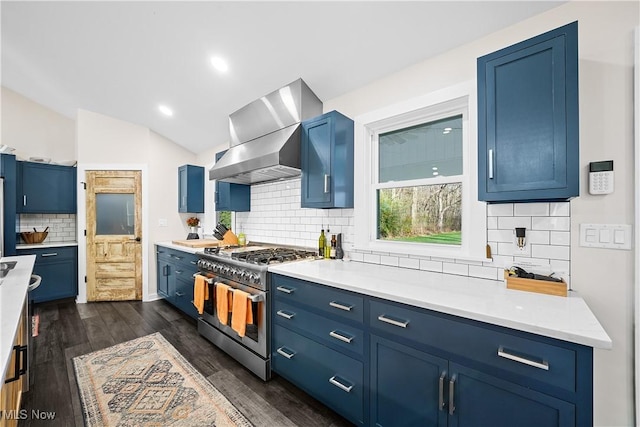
[474, 220]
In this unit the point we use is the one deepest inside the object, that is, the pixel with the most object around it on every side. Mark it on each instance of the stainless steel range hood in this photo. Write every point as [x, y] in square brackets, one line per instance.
[265, 136]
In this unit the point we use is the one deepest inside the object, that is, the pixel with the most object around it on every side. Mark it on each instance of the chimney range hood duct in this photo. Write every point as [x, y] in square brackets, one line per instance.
[265, 136]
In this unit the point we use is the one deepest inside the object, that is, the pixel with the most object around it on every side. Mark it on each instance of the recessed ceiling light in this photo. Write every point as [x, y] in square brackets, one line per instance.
[165, 110]
[219, 64]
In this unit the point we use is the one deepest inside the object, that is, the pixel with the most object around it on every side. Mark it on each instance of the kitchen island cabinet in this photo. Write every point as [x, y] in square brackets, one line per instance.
[14, 333]
[327, 162]
[528, 119]
[45, 188]
[175, 269]
[58, 267]
[450, 350]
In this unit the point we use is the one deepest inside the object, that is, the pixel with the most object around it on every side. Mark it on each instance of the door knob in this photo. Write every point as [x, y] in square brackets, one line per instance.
[137, 239]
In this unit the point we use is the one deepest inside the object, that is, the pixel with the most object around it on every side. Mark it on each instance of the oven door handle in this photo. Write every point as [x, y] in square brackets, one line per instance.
[209, 280]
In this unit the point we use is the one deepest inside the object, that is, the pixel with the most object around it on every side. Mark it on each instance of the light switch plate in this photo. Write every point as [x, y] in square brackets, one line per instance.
[609, 236]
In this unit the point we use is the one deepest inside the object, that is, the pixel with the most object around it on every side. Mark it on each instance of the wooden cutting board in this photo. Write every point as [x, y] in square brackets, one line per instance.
[197, 243]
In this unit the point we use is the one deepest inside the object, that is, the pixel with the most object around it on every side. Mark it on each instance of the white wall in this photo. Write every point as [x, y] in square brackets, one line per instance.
[34, 130]
[108, 143]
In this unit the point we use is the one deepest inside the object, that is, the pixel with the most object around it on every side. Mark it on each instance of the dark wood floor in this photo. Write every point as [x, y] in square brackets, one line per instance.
[68, 330]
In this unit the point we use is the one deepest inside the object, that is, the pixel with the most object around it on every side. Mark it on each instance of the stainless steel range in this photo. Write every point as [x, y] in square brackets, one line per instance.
[243, 269]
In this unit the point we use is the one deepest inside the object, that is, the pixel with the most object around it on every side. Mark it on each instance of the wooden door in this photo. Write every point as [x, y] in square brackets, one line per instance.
[114, 233]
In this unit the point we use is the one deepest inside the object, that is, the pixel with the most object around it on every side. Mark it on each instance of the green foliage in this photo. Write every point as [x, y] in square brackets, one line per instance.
[225, 218]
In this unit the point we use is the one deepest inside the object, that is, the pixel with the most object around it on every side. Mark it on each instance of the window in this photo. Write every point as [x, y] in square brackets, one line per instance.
[418, 193]
[419, 188]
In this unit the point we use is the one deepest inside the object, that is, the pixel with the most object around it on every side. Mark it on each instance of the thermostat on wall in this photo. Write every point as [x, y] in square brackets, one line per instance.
[601, 177]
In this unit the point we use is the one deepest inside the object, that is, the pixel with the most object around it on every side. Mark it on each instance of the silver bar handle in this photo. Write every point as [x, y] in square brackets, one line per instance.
[285, 290]
[393, 322]
[179, 294]
[452, 384]
[285, 354]
[24, 200]
[326, 183]
[252, 298]
[50, 254]
[341, 337]
[441, 390]
[490, 163]
[209, 280]
[341, 386]
[286, 315]
[335, 304]
[179, 271]
[540, 365]
[193, 262]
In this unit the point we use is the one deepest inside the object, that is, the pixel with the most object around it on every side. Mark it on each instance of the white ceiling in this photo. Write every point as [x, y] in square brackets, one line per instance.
[122, 59]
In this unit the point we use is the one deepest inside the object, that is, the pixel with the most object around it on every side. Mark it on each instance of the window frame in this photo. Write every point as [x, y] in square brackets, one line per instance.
[454, 100]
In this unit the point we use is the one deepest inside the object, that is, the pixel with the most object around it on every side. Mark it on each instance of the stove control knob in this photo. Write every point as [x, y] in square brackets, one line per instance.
[254, 278]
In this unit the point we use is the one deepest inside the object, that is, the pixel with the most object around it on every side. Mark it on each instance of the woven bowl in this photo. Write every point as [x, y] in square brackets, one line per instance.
[34, 236]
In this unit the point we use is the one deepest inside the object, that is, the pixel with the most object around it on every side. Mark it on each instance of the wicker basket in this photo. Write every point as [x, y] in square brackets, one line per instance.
[34, 236]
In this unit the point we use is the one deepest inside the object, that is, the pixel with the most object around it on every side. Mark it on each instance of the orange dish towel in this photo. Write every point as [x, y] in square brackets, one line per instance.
[200, 292]
[242, 313]
[223, 307]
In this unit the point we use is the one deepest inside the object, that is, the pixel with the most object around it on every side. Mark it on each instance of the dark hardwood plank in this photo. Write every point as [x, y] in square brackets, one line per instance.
[68, 330]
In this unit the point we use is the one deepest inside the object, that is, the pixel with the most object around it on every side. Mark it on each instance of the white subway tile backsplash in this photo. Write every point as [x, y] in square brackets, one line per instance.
[560, 209]
[531, 209]
[551, 223]
[429, 265]
[551, 252]
[511, 222]
[503, 209]
[562, 238]
[62, 227]
[485, 272]
[458, 269]
[276, 217]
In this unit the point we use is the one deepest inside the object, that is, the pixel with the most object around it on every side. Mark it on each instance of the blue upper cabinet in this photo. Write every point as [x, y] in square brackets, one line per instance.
[8, 174]
[327, 162]
[230, 196]
[45, 188]
[528, 119]
[191, 189]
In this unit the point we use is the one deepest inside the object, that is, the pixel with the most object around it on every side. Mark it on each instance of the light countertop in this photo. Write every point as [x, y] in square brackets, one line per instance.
[567, 319]
[187, 249]
[13, 292]
[45, 245]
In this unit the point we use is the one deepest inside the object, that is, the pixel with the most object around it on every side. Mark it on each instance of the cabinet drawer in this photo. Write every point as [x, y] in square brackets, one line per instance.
[50, 254]
[183, 296]
[185, 260]
[512, 353]
[330, 331]
[329, 376]
[330, 300]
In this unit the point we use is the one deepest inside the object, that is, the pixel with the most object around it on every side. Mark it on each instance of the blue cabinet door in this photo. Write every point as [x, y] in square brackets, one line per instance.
[58, 267]
[230, 196]
[191, 189]
[528, 119]
[8, 174]
[162, 273]
[45, 188]
[405, 386]
[484, 400]
[327, 162]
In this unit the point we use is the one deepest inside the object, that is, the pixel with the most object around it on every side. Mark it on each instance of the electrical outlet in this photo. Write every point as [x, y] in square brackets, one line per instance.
[521, 251]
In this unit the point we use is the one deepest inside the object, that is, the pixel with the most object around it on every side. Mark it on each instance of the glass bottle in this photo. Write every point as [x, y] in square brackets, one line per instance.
[332, 253]
[321, 243]
[327, 246]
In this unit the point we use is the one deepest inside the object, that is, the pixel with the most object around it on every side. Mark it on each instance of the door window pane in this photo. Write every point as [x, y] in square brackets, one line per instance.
[115, 213]
[423, 151]
[421, 214]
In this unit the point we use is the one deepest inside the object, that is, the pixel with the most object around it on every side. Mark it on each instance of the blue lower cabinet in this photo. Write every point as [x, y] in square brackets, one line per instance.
[405, 386]
[329, 376]
[58, 267]
[174, 278]
[483, 400]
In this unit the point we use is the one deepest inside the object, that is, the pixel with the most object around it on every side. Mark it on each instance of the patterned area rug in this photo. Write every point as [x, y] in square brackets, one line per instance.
[146, 382]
